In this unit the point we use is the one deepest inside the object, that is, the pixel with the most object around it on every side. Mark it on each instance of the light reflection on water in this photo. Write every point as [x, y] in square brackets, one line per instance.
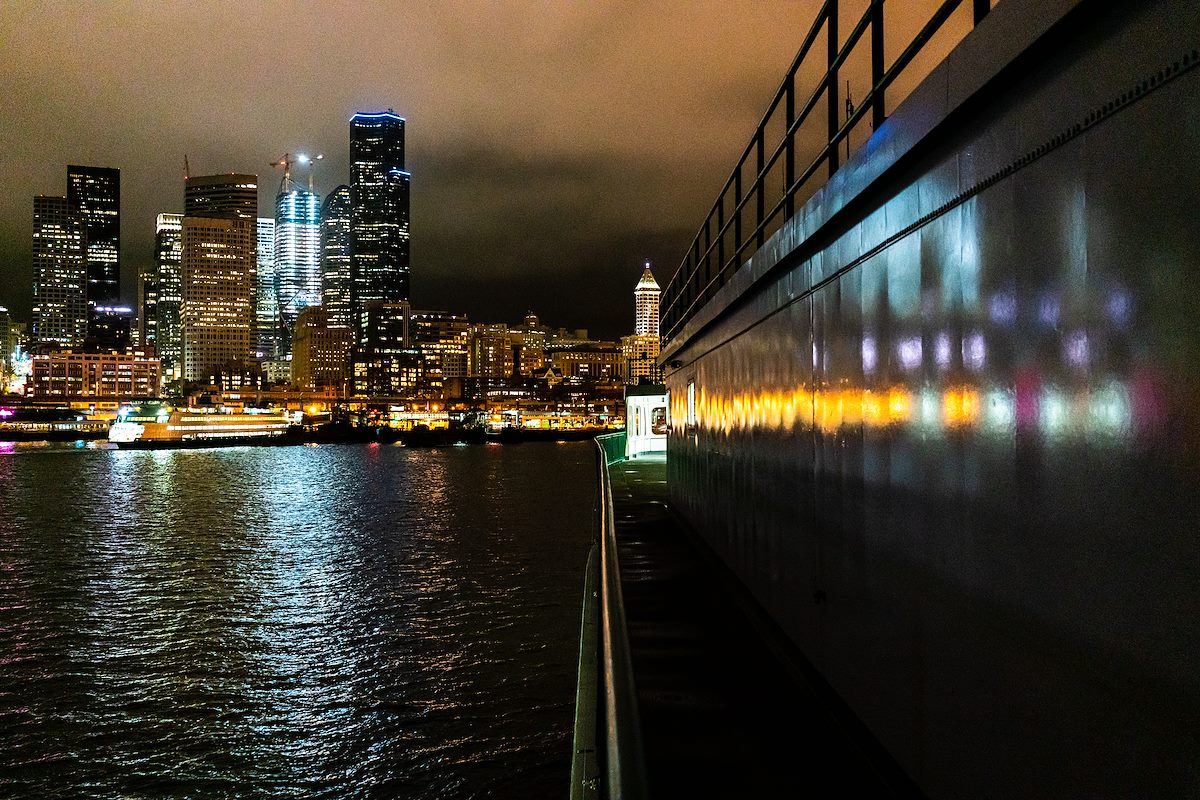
[290, 621]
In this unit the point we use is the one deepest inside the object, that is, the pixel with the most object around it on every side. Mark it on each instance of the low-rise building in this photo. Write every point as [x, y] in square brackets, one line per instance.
[72, 373]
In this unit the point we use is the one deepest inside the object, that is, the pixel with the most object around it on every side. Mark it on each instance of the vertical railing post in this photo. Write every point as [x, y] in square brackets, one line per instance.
[721, 239]
[982, 7]
[737, 213]
[877, 65]
[831, 82]
[759, 186]
[789, 164]
[708, 269]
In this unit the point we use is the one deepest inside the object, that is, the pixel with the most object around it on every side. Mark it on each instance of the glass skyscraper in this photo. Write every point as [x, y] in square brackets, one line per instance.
[60, 311]
[379, 211]
[297, 256]
[266, 306]
[95, 194]
[335, 257]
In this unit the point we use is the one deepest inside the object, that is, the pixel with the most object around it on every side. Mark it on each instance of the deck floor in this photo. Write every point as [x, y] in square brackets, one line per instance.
[724, 714]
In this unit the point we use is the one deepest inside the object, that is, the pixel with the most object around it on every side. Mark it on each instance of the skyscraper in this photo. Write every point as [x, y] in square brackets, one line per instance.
[60, 311]
[168, 256]
[297, 255]
[266, 311]
[221, 196]
[379, 210]
[335, 257]
[95, 194]
[219, 272]
[646, 295]
[642, 348]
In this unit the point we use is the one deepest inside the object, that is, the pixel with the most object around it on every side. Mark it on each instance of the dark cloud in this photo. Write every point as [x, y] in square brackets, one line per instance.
[552, 146]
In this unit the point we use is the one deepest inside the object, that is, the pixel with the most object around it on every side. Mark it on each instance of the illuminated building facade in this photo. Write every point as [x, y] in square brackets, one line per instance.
[320, 350]
[266, 296]
[72, 374]
[297, 256]
[386, 363]
[8, 343]
[589, 364]
[94, 193]
[379, 212]
[168, 256]
[335, 257]
[646, 298]
[443, 340]
[491, 354]
[641, 358]
[219, 261]
[60, 312]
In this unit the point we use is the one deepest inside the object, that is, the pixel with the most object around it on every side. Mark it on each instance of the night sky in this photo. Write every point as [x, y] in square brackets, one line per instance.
[553, 147]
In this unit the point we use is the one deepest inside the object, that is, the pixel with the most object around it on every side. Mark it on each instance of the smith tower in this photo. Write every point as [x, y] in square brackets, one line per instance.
[379, 192]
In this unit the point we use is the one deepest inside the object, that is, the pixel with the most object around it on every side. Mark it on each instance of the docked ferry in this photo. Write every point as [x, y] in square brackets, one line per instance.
[162, 426]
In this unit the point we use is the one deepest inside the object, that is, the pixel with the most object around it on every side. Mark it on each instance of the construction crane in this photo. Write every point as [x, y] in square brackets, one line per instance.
[287, 160]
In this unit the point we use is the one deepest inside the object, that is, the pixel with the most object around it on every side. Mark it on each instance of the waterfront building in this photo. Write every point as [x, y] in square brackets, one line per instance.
[595, 363]
[297, 255]
[60, 313]
[386, 363]
[379, 212]
[640, 352]
[266, 307]
[94, 193]
[320, 350]
[491, 354]
[646, 300]
[70, 373]
[219, 257]
[529, 340]
[168, 257]
[336, 286]
[443, 340]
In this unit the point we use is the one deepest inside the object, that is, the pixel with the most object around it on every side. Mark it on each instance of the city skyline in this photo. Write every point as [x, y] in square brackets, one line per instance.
[540, 183]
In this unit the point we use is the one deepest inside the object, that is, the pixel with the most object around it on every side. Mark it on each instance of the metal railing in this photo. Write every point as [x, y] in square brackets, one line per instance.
[608, 760]
[723, 244]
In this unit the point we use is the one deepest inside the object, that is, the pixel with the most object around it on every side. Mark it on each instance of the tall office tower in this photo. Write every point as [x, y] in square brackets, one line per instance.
[168, 257]
[297, 255]
[266, 311]
[219, 273]
[379, 195]
[95, 194]
[646, 296]
[335, 257]
[60, 312]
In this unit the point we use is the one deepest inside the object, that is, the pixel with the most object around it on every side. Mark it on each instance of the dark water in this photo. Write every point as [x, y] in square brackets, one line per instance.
[337, 621]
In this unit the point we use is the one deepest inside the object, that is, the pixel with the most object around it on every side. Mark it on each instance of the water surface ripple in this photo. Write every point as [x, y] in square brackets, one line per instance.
[335, 621]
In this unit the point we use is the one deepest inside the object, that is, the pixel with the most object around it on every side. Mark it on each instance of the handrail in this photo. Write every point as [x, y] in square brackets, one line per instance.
[697, 277]
[585, 769]
[620, 758]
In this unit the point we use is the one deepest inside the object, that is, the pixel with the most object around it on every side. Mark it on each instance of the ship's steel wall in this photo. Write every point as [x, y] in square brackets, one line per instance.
[962, 472]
